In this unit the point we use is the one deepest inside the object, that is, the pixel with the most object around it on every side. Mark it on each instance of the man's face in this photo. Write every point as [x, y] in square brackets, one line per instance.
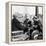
[21, 18]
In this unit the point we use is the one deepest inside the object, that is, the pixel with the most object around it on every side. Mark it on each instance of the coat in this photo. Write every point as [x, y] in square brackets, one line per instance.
[16, 25]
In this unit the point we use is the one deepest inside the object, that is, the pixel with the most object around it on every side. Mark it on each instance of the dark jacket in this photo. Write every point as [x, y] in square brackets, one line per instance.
[16, 25]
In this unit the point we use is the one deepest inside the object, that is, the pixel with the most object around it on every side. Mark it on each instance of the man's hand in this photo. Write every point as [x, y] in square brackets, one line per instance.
[23, 24]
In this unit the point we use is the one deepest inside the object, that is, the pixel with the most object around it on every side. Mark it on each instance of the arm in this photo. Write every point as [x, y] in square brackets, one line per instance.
[18, 24]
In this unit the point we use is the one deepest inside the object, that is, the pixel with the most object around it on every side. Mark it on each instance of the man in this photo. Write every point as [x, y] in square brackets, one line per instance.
[19, 25]
[37, 26]
[17, 22]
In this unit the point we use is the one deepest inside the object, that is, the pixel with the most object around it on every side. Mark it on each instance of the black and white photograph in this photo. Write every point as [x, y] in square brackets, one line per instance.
[26, 22]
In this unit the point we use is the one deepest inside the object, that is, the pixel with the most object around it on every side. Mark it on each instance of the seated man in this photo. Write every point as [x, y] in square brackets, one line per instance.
[17, 23]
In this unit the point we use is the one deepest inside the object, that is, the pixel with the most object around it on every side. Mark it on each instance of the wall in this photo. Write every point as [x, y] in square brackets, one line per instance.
[2, 23]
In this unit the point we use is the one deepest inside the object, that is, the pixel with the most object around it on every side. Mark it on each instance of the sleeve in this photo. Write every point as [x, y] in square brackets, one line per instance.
[18, 24]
